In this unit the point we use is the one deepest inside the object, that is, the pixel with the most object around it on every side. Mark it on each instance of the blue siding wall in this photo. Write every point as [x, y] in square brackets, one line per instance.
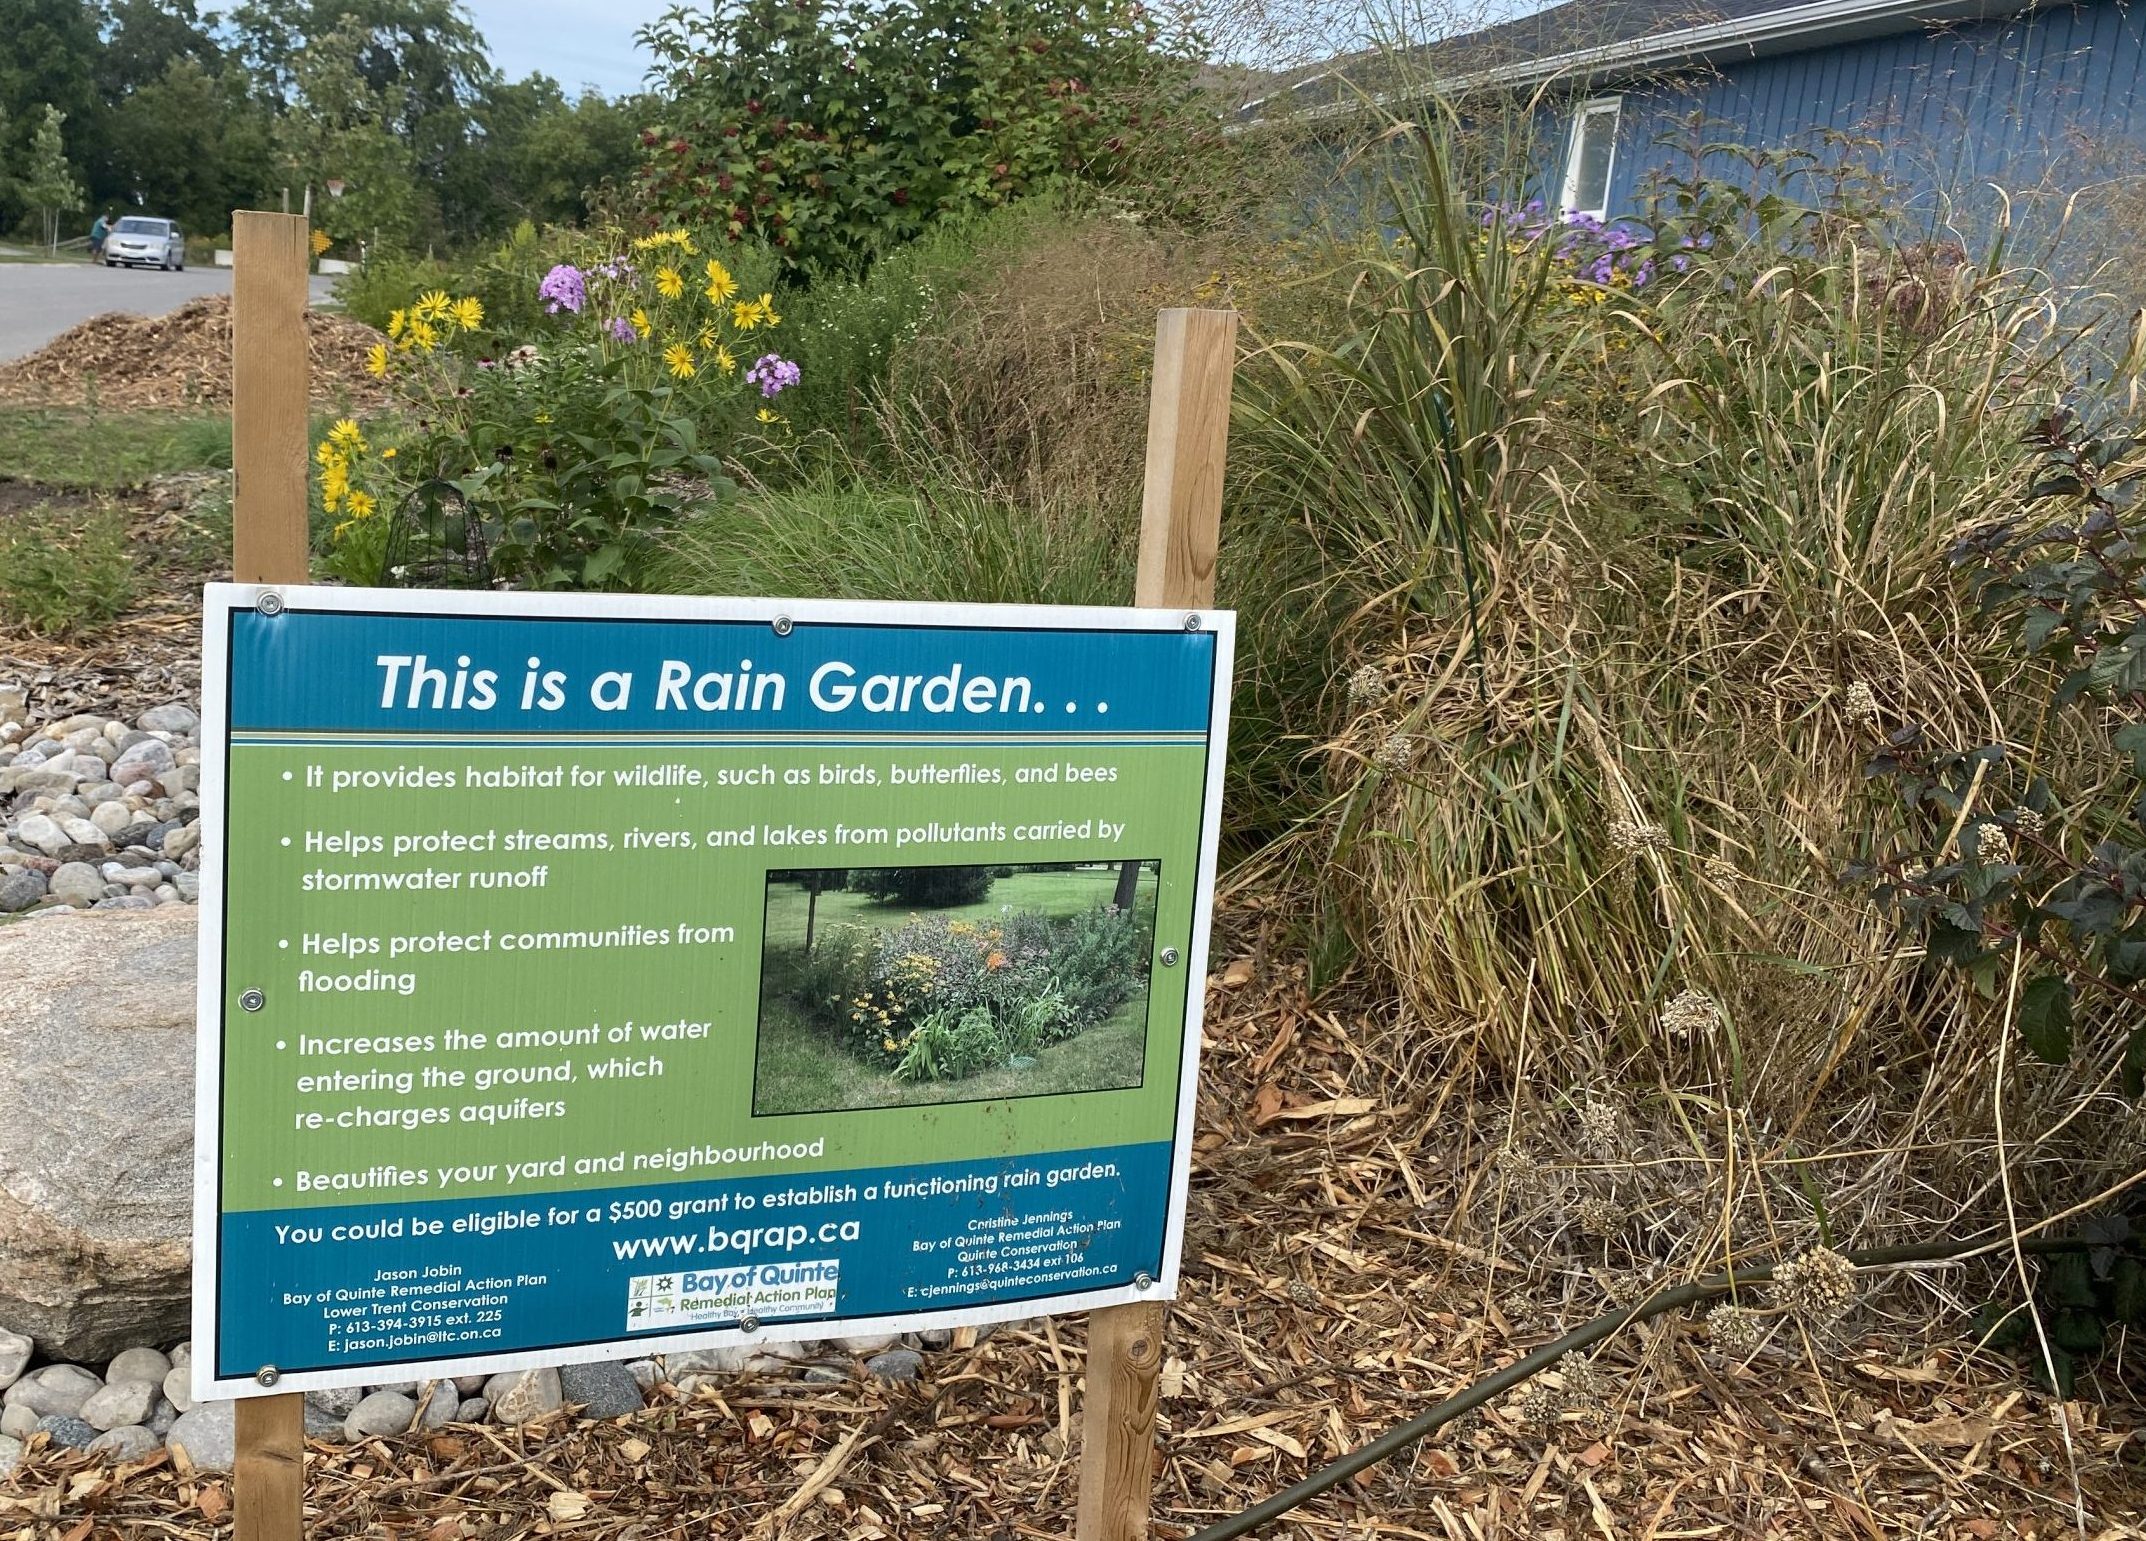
[2047, 102]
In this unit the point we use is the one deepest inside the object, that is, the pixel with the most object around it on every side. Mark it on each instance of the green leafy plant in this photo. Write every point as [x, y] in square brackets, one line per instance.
[64, 574]
[950, 1048]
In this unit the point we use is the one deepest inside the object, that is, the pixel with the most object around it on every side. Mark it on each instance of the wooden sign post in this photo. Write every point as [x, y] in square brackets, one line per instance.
[269, 400]
[1180, 530]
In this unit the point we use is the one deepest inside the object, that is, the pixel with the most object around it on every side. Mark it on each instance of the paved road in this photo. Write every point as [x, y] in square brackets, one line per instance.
[40, 300]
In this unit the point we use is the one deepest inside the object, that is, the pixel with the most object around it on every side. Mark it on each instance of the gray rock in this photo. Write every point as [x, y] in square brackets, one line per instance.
[338, 1401]
[69, 1433]
[473, 1410]
[99, 793]
[407, 1388]
[645, 1373]
[137, 1364]
[146, 761]
[825, 1374]
[207, 1437]
[181, 840]
[179, 779]
[173, 718]
[384, 1412]
[82, 832]
[470, 1385]
[15, 1351]
[77, 883]
[57, 1389]
[114, 818]
[96, 1129]
[324, 1426]
[119, 1403]
[437, 1403]
[182, 1357]
[604, 1390]
[20, 889]
[523, 1396]
[896, 1364]
[162, 1417]
[188, 887]
[37, 830]
[10, 1456]
[128, 1442]
[18, 1422]
[866, 1347]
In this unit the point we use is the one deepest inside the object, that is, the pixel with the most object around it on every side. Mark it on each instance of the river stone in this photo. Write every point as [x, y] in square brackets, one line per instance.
[69, 1433]
[146, 761]
[384, 1412]
[119, 1403]
[10, 1455]
[128, 1442]
[18, 1422]
[38, 830]
[179, 1389]
[207, 1437]
[173, 718]
[339, 1401]
[179, 841]
[472, 1410]
[77, 883]
[866, 1347]
[15, 1350]
[324, 1425]
[523, 1396]
[896, 1364]
[437, 1404]
[137, 1364]
[21, 889]
[96, 1128]
[164, 1416]
[56, 1389]
[604, 1390]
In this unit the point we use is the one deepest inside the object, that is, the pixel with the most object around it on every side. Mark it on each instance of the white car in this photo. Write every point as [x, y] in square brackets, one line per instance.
[140, 239]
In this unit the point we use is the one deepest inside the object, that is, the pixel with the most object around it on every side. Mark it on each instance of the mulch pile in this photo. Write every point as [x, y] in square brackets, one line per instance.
[1323, 1303]
[179, 360]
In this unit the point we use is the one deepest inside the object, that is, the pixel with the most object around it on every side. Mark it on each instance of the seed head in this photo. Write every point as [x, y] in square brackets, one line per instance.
[2027, 820]
[1693, 1012]
[1992, 844]
[1517, 1167]
[1633, 839]
[1303, 1294]
[1397, 753]
[1367, 685]
[1734, 1331]
[1817, 1285]
[1862, 703]
[1599, 1216]
[1721, 870]
[1539, 1404]
[1585, 1384]
[1602, 1126]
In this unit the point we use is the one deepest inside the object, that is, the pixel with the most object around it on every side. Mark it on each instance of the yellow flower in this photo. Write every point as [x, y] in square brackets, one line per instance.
[887, 1044]
[433, 303]
[320, 242]
[327, 454]
[395, 322]
[423, 335]
[468, 313]
[678, 358]
[334, 484]
[765, 416]
[767, 310]
[361, 504]
[388, 453]
[724, 360]
[376, 360]
[668, 283]
[721, 286]
[543, 417]
[640, 323]
[344, 435]
[745, 315]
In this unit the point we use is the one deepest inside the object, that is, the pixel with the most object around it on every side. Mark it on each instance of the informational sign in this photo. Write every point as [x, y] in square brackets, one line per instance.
[591, 976]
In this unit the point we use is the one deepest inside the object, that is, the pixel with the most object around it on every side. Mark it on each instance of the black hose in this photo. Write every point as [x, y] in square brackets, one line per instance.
[1396, 1440]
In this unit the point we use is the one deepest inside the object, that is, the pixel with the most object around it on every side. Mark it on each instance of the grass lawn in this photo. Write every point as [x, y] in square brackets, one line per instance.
[802, 1069]
[70, 447]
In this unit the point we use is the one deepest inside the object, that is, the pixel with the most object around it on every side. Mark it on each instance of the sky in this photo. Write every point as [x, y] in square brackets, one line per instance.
[591, 42]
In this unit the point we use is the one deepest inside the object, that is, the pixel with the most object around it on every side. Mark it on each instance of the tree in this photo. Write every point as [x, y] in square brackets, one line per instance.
[342, 127]
[930, 888]
[48, 182]
[48, 57]
[815, 881]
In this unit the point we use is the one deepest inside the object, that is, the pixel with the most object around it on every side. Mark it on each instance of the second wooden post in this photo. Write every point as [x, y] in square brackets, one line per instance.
[1180, 532]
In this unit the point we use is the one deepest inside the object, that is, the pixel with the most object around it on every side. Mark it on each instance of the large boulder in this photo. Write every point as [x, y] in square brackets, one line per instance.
[96, 1128]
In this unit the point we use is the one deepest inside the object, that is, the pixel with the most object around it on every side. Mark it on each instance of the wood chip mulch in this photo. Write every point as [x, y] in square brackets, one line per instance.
[1322, 1304]
[181, 359]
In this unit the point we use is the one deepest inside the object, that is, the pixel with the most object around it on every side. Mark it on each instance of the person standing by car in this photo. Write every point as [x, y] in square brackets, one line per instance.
[97, 233]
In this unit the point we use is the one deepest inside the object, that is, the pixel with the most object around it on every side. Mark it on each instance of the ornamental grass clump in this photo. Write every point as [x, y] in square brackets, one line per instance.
[555, 459]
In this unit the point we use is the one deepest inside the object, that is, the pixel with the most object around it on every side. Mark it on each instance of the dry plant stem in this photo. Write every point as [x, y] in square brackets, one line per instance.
[1404, 1436]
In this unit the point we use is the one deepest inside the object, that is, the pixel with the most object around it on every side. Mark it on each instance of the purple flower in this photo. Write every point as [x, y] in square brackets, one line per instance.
[1680, 263]
[773, 374]
[622, 329]
[564, 289]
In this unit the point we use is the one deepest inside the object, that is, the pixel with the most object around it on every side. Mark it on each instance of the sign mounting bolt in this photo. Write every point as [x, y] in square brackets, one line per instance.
[267, 1375]
[1143, 1280]
[748, 1324]
[1169, 957]
[1192, 622]
[270, 603]
[783, 625]
[252, 1000]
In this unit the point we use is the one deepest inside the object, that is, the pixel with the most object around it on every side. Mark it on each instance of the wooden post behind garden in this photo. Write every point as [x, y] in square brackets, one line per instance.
[1180, 531]
[268, 538]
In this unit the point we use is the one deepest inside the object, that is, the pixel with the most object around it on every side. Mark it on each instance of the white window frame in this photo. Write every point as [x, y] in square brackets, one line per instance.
[1611, 107]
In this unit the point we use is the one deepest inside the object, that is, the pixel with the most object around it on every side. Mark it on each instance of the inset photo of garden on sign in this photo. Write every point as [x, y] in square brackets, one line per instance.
[907, 986]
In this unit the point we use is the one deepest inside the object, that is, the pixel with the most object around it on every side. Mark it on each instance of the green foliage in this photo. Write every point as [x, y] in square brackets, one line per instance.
[64, 573]
[836, 131]
[944, 1048]
[69, 448]
[926, 887]
[47, 183]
